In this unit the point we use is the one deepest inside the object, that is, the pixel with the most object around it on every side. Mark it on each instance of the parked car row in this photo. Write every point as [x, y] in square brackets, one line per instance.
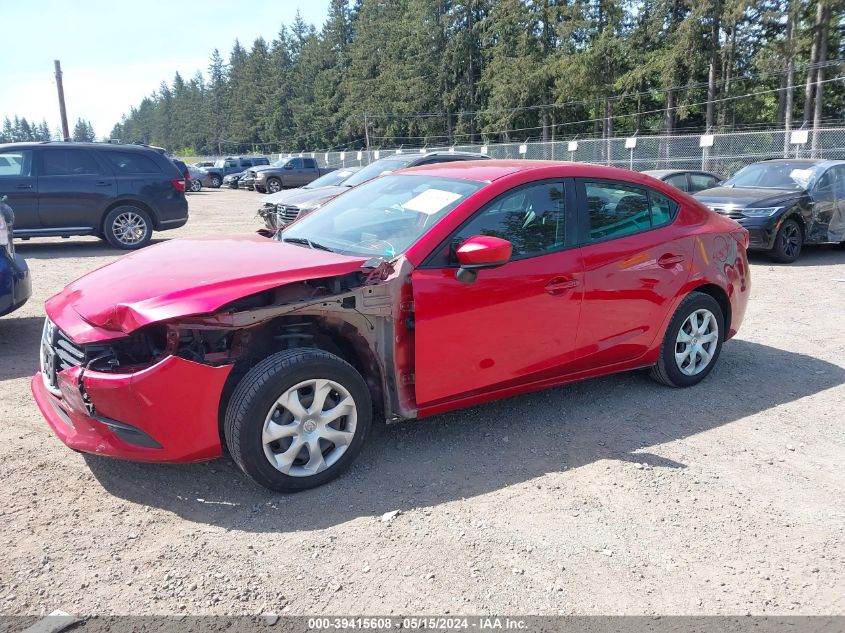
[391, 291]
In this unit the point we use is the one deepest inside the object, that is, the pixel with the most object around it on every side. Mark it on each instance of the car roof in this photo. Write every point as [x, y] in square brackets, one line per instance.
[94, 145]
[490, 170]
[660, 173]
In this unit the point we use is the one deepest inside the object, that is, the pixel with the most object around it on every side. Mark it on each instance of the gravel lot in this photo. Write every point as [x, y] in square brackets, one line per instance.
[610, 496]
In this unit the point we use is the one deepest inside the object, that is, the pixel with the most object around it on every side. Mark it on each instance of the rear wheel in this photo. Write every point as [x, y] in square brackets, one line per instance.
[298, 419]
[274, 185]
[215, 181]
[788, 242]
[128, 227]
[692, 342]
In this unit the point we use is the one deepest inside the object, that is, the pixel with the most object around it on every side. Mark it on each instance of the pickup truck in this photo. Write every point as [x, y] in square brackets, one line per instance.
[285, 173]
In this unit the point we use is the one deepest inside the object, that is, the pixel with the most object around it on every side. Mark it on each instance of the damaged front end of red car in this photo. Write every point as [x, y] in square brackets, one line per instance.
[159, 392]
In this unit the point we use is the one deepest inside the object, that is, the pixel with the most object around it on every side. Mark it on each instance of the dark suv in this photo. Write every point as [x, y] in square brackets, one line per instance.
[121, 193]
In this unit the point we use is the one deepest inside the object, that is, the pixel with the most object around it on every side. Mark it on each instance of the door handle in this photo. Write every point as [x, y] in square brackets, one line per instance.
[669, 260]
[559, 285]
[103, 183]
[22, 186]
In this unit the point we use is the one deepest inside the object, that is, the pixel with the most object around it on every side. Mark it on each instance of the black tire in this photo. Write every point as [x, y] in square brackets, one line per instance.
[788, 242]
[667, 371]
[254, 397]
[118, 218]
[215, 181]
[274, 185]
[261, 190]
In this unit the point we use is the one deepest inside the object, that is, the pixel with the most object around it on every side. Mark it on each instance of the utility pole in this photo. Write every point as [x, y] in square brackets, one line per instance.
[367, 132]
[62, 111]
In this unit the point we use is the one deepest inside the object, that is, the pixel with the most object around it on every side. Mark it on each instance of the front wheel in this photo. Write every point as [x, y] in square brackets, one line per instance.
[692, 342]
[298, 419]
[128, 227]
[274, 185]
[196, 186]
[788, 243]
[215, 181]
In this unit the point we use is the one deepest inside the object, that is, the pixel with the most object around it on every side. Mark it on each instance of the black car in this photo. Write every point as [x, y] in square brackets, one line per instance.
[233, 181]
[313, 199]
[689, 180]
[15, 284]
[232, 165]
[784, 204]
[121, 193]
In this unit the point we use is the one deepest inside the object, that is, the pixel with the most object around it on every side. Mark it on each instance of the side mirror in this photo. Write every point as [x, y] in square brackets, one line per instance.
[481, 251]
[288, 166]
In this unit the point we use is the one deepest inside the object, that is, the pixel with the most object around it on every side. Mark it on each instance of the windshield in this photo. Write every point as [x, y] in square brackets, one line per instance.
[378, 168]
[281, 162]
[382, 217]
[220, 162]
[780, 175]
[331, 179]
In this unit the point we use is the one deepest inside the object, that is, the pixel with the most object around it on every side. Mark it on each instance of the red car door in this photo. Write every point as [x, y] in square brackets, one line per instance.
[513, 324]
[635, 263]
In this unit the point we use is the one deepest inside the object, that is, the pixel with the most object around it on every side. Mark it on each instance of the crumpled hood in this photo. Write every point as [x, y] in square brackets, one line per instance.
[181, 278]
[300, 197]
[741, 197]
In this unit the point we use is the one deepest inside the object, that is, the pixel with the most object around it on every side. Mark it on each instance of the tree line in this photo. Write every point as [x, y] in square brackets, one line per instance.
[19, 130]
[443, 72]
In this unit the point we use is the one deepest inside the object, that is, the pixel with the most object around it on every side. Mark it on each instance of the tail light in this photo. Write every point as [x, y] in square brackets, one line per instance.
[741, 237]
[179, 183]
[5, 232]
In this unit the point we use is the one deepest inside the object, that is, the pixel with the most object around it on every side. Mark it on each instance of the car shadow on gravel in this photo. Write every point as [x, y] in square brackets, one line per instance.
[822, 255]
[486, 448]
[19, 338]
[72, 248]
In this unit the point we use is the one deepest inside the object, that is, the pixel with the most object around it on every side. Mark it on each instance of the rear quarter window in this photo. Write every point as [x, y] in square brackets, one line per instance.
[132, 163]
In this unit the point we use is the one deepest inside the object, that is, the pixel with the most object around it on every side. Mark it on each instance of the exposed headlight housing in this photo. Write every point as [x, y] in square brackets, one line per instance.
[760, 212]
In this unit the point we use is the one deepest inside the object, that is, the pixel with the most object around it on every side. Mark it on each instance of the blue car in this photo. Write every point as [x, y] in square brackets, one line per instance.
[15, 284]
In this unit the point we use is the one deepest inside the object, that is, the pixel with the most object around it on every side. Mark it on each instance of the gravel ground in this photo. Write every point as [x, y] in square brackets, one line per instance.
[612, 496]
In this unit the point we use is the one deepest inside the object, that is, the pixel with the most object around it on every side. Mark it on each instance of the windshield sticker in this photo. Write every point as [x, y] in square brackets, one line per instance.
[801, 176]
[431, 201]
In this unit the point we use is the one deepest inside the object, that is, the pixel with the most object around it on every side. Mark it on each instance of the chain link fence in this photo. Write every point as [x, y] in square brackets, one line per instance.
[720, 153]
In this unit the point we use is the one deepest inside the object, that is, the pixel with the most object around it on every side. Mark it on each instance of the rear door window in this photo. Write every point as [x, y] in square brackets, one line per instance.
[678, 180]
[15, 163]
[68, 162]
[131, 163]
[310, 164]
[617, 209]
[700, 182]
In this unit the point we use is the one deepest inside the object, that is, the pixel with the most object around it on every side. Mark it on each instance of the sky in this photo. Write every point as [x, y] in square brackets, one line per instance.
[114, 53]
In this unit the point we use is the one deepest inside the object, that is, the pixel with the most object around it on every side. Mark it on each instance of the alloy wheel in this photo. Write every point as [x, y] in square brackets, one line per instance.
[129, 228]
[696, 342]
[309, 427]
[274, 186]
[790, 239]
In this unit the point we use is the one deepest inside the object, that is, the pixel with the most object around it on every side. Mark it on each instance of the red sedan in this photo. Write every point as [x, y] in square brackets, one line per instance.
[419, 292]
